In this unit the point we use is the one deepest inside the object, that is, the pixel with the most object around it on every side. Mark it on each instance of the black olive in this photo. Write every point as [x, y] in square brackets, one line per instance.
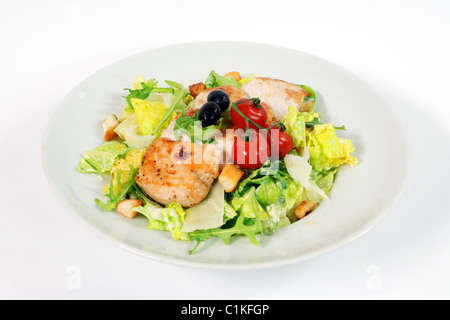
[209, 114]
[221, 98]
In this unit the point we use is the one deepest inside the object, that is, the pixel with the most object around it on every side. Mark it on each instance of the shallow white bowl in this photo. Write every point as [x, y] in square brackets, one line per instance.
[360, 197]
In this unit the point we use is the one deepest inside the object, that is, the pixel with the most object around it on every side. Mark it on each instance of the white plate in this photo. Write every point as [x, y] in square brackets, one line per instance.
[360, 197]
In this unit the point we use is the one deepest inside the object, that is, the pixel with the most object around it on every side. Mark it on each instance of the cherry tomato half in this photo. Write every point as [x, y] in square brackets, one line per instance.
[257, 114]
[250, 149]
[280, 142]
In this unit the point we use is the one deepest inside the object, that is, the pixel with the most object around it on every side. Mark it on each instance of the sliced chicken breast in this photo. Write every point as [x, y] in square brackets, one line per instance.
[178, 171]
[224, 142]
[233, 92]
[278, 95]
[169, 131]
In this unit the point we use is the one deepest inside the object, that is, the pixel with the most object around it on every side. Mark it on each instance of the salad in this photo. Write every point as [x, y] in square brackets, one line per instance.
[226, 157]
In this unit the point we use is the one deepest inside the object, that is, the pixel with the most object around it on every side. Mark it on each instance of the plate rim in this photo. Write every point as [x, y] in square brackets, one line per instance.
[234, 266]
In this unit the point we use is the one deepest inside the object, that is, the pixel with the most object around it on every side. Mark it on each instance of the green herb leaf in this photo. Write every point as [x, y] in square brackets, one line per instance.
[179, 94]
[143, 93]
[115, 199]
[242, 226]
[316, 121]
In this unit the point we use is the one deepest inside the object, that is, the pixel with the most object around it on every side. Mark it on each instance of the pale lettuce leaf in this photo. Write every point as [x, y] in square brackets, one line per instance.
[327, 150]
[102, 159]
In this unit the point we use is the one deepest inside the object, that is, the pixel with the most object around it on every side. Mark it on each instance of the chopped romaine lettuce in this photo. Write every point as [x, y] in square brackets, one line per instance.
[169, 218]
[123, 166]
[278, 218]
[141, 90]
[327, 150]
[324, 179]
[101, 159]
[248, 205]
[228, 213]
[215, 80]
[268, 193]
[151, 109]
[294, 122]
[149, 114]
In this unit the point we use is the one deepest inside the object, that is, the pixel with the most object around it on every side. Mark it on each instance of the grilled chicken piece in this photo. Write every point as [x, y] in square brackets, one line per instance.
[169, 131]
[278, 95]
[224, 142]
[178, 171]
[233, 92]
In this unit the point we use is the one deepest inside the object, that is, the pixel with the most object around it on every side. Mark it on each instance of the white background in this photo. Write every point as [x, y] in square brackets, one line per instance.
[402, 48]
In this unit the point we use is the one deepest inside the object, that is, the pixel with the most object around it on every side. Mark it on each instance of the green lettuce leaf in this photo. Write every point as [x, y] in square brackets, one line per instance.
[215, 80]
[169, 218]
[278, 218]
[149, 114]
[122, 165]
[268, 193]
[229, 213]
[327, 150]
[324, 179]
[249, 206]
[101, 159]
[294, 122]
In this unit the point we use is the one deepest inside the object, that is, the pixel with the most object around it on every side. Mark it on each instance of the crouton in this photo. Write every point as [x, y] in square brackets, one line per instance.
[108, 125]
[230, 176]
[196, 88]
[235, 75]
[304, 208]
[125, 207]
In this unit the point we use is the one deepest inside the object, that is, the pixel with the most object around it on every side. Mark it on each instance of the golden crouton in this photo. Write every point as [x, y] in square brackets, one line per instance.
[304, 208]
[230, 176]
[235, 75]
[196, 88]
[108, 125]
[125, 207]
